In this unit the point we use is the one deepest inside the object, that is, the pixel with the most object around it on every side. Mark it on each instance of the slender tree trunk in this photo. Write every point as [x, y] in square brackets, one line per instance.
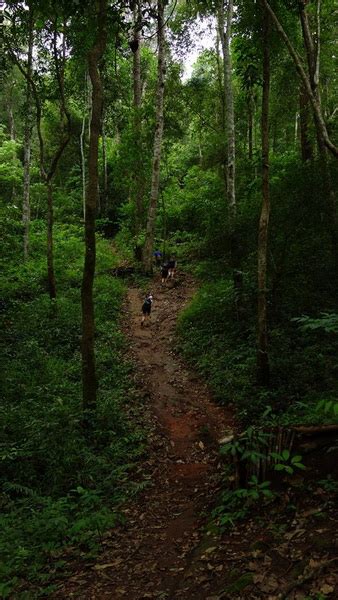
[27, 144]
[319, 119]
[225, 37]
[83, 165]
[104, 172]
[250, 127]
[262, 356]
[155, 181]
[137, 92]
[305, 142]
[313, 61]
[89, 383]
[50, 249]
[296, 130]
[11, 121]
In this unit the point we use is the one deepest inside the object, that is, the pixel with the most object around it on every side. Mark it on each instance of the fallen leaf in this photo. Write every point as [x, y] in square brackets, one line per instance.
[115, 563]
[326, 589]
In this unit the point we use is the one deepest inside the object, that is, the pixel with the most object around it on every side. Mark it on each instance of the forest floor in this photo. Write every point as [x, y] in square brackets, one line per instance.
[168, 548]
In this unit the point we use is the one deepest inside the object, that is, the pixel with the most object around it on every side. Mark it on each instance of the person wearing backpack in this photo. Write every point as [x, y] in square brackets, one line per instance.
[146, 308]
[164, 273]
[172, 267]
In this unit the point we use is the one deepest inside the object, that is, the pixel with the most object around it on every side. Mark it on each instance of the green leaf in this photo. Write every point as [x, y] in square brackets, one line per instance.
[286, 454]
[279, 467]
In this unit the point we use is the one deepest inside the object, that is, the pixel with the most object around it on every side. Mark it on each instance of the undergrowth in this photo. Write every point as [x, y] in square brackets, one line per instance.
[222, 346]
[59, 488]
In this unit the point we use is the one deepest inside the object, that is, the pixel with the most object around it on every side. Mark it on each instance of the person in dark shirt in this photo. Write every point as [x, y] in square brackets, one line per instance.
[164, 273]
[146, 308]
[171, 268]
[158, 257]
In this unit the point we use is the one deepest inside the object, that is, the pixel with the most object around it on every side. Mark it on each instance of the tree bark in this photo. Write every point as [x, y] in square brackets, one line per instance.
[250, 126]
[319, 119]
[137, 92]
[104, 202]
[83, 165]
[225, 37]
[47, 175]
[263, 370]
[27, 143]
[305, 142]
[155, 181]
[50, 250]
[313, 61]
[89, 383]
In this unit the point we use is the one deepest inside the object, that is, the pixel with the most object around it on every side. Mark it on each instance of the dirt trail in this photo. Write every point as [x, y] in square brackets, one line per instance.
[152, 556]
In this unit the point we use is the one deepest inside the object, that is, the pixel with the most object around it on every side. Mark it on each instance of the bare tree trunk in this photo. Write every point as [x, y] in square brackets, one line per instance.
[225, 37]
[250, 126]
[313, 61]
[83, 163]
[155, 181]
[138, 190]
[104, 171]
[319, 119]
[263, 371]
[48, 174]
[89, 383]
[27, 143]
[50, 251]
[305, 142]
[11, 121]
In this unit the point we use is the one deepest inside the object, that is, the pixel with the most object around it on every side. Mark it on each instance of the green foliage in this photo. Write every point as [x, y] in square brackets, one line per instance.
[235, 504]
[59, 487]
[287, 462]
[327, 322]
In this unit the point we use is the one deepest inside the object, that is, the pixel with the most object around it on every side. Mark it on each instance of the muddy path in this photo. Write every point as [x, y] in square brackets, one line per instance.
[153, 554]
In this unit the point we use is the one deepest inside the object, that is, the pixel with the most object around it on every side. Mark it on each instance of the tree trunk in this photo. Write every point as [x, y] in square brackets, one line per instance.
[104, 201]
[319, 119]
[138, 190]
[50, 252]
[225, 37]
[83, 166]
[27, 144]
[262, 356]
[48, 174]
[313, 61]
[155, 181]
[89, 383]
[250, 127]
[305, 142]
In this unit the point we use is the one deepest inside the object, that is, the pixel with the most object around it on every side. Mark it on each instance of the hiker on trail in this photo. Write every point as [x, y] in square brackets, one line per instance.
[171, 267]
[158, 257]
[164, 273]
[146, 308]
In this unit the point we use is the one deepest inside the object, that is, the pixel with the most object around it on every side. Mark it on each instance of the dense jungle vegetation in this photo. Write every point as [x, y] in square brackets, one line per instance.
[110, 150]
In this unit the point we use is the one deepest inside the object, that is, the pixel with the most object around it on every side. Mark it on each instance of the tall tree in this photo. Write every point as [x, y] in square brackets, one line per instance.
[225, 37]
[137, 101]
[27, 137]
[89, 383]
[262, 356]
[159, 123]
[306, 80]
[48, 170]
